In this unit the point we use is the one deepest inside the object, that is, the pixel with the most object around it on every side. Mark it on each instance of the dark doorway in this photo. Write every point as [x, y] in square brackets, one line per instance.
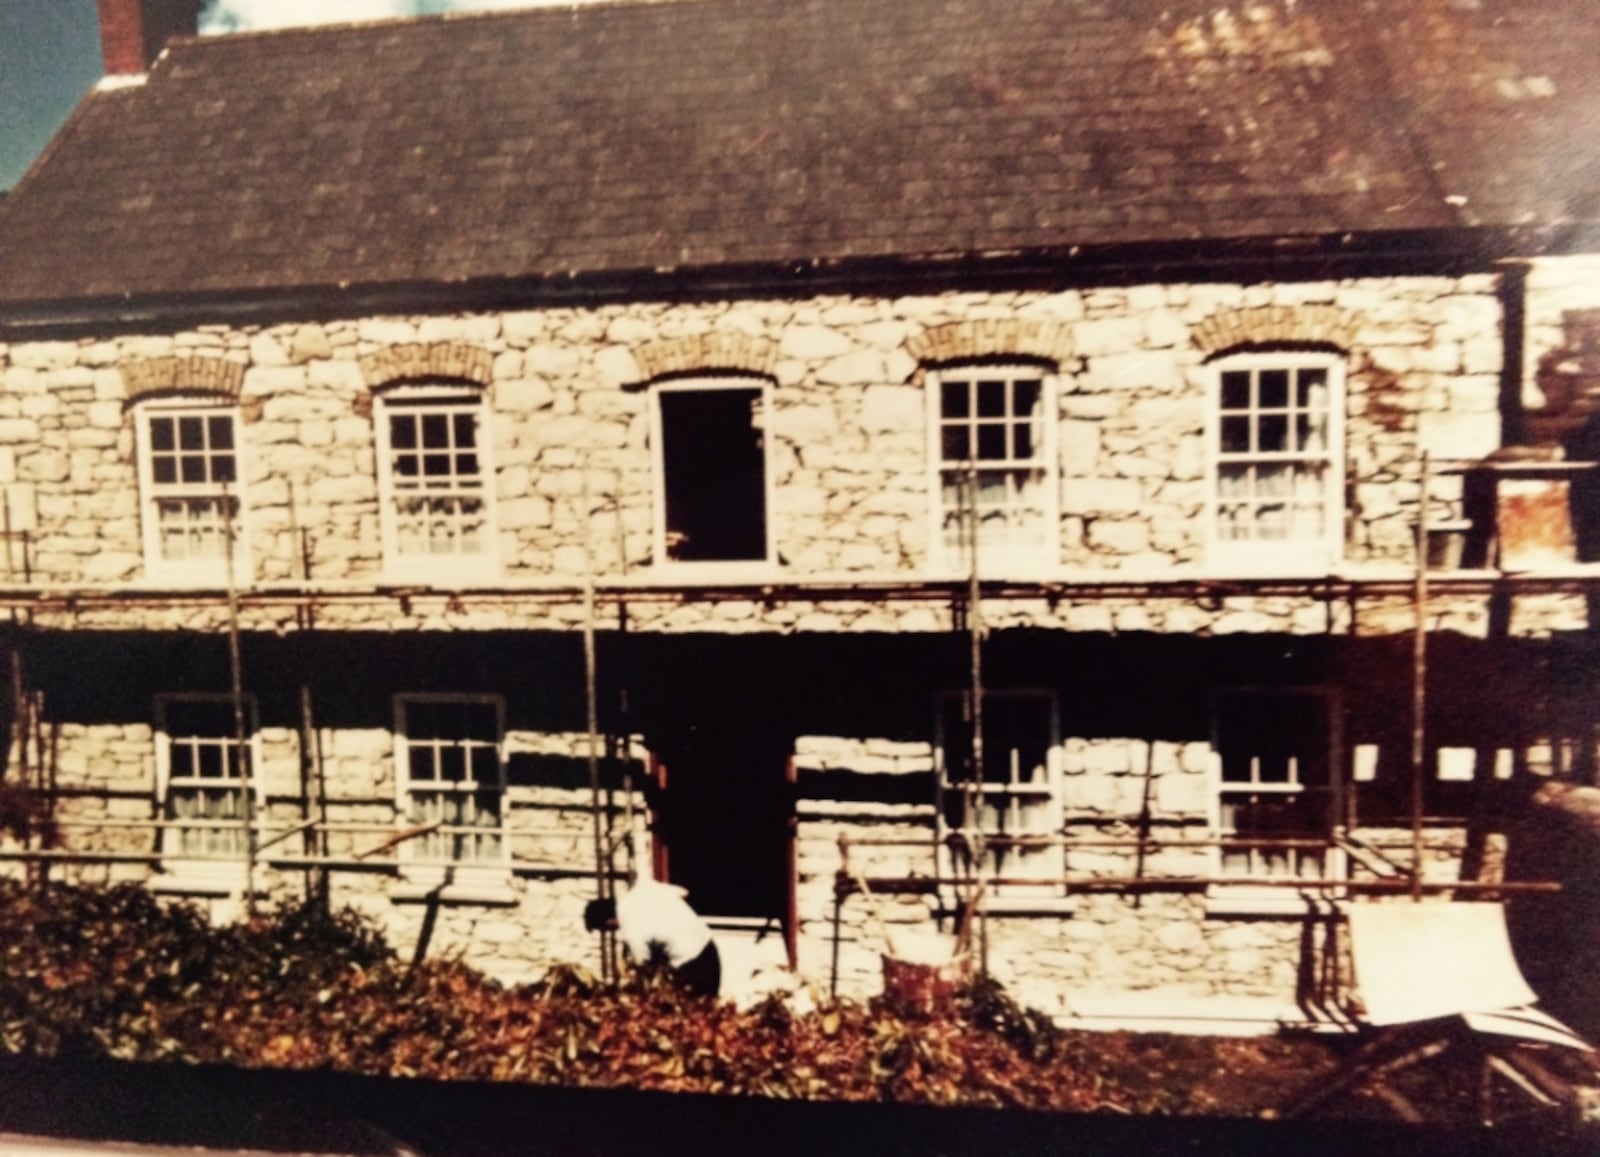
[724, 822]
[715, 482]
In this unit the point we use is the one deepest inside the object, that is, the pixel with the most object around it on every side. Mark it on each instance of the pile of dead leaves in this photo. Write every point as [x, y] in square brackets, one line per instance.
[115, 973]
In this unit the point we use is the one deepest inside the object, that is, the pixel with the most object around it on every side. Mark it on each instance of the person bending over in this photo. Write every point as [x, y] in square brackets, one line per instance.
[657, 924]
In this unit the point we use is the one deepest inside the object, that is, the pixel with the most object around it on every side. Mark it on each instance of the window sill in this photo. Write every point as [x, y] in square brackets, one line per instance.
[710, 573]
[182, 880]
[1243, 900]
[1052, 905]
[1309, 560]
[488, 887]
[1021, 568]
[1030, 906]
[442, 570]
[197, 577]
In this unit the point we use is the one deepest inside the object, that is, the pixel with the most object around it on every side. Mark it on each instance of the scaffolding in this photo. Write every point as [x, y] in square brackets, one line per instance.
[613, 822]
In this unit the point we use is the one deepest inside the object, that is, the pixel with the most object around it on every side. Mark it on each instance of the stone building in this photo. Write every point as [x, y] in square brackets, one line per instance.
[436, 451]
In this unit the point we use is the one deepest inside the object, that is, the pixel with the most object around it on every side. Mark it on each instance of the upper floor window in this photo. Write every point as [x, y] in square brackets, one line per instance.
[711, 469]
[189, 479]
[202, 774]
[996, 466]
[1277, 452]
[433, 478]
[451, 775]
[1011, 805]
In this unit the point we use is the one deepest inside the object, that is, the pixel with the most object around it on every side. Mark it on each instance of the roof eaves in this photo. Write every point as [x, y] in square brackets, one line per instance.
[1449, 248]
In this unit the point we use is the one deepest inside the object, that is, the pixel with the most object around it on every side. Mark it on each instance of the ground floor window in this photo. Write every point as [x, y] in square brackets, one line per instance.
[1010, 805]
[202, 777]
[451, 775]
[1275, 787]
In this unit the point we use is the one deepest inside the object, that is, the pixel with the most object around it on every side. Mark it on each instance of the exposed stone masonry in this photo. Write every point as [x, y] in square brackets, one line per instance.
[848, 446]
[1277, 325]
[848, 443]
[440, 359]
[212, 375]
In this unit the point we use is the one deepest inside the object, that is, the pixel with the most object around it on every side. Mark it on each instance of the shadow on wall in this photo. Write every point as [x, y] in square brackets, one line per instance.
[1556, 836]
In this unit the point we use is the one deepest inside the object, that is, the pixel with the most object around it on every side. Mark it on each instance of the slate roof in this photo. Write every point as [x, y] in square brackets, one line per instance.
[634, 139]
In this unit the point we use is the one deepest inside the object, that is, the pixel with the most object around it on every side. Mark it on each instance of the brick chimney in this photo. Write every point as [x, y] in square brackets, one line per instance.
[133, 32]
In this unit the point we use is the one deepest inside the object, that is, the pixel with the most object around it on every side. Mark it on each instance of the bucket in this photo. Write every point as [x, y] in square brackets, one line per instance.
[925, 974]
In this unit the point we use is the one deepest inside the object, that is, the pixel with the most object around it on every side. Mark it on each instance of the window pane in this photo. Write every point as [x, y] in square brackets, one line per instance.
[1026, 393]
[403, 432]
[1236, 390]
[1022, 440]
[956, 443]
[1235, 435]
[193, 468]
[485, 765]
[953, 399]
[163, 434]
[220, 429]
[1274, 389]
[991, 442]
[1273, 481]
[191, 433]
[420, 765]
[991, 399]
[465, 429]
[1313, 388]
[164, 470]
[208, 760]
[1272, 433]
[435, 431]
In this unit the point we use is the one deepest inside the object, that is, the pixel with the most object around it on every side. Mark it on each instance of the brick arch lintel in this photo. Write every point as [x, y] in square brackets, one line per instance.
[704, 352]
[144, 378]
[1275, 325]
[439, 359]
[957, 341]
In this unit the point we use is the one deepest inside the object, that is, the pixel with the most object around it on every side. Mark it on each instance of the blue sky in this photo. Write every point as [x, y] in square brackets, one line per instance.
[50, 53]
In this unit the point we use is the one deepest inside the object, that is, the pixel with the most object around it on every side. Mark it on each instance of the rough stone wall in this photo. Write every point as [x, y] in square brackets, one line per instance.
[848, 443]
[1060, 955]
[570, 400]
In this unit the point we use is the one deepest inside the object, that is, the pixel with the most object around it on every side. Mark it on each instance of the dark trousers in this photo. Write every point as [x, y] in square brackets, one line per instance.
[702, 975]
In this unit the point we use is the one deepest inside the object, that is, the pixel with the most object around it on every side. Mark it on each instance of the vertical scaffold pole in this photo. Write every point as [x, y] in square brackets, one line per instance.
[1419, 681]
[236, 689]
[974, 825]
[602, 854]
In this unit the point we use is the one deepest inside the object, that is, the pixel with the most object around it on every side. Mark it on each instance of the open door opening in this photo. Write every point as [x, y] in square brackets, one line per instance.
[724, 826]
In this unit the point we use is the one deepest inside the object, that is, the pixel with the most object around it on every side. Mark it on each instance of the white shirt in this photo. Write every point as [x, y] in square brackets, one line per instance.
[654, 916]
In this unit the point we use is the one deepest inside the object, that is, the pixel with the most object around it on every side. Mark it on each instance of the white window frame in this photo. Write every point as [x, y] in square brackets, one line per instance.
[1047, 863]
[450, 398]
[480, 878]
[712, 568]
[184, 869]
[1004, 559]
[204, 569]
[1307, 553]
[1249, 895]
